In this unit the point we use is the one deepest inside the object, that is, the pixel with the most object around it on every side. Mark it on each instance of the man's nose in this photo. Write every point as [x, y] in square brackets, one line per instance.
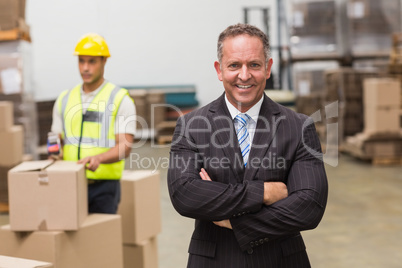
[85, 65]
[244, 73]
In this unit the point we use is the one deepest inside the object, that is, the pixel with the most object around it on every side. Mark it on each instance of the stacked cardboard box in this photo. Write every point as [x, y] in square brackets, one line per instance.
[11, 12]
[150, 108]
[16, 86]
[11, 142]
[316, 28]
[371, 22]
[309, 87]
[12, 20]
[379, 148]
[47, 187]
[164, 132]
[141, 218]
[157, 107]
[96, 244]
[49, 218]
[382, 102]
[345, 85]
[382, 136]
[309, 76]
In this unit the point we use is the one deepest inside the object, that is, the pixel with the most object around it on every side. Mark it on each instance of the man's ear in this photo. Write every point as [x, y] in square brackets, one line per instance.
[217, 66]
[269, 66]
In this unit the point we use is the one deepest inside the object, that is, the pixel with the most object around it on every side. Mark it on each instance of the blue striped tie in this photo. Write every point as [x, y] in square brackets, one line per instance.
[243, 137]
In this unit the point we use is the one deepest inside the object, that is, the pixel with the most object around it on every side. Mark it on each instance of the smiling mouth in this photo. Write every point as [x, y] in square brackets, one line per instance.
[244, 86]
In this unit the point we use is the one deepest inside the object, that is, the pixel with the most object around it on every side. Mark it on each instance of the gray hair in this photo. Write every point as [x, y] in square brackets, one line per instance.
[240, 29]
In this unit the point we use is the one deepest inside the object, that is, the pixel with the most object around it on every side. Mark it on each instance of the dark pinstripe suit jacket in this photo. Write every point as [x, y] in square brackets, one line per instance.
[285, 148]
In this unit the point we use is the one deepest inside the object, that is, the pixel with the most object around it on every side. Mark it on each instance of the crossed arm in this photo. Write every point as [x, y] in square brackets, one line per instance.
[273, 192]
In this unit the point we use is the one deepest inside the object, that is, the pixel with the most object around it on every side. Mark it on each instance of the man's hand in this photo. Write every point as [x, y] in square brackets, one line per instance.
[224, 224]
[204, 175]
[274, 191]
[91, 162]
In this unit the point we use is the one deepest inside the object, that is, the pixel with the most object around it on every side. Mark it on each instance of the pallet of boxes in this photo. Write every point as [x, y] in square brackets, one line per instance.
[11, 154]
[12, 20]
[49, 219]
[381, 140]
[16, 70]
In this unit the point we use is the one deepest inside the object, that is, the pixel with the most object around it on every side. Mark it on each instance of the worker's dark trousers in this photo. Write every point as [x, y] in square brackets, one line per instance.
[104, 196]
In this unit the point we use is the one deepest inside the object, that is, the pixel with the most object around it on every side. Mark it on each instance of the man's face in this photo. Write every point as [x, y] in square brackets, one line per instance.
[243, 70]
[91, 68]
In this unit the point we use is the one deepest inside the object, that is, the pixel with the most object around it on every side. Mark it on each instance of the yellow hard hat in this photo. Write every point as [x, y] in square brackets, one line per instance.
[92, 44]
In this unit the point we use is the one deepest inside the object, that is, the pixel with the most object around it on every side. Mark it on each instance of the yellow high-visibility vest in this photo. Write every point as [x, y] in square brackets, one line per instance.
[91, 133]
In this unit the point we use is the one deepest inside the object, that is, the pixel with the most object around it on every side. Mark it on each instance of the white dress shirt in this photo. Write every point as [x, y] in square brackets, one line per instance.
[253, 112]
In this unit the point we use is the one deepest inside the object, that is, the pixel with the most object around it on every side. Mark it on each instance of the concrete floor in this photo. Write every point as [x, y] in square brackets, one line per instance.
[362, 226]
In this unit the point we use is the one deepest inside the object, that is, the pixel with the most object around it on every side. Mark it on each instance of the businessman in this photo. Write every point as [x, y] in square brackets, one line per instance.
[248, 170]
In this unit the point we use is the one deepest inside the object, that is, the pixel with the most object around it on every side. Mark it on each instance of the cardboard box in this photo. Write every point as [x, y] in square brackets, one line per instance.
[140, 207]
[379, 92]
[143, 255]
[382, 119]
[9, 14]
[47, 195]
[10, 262]
[12, 146]
[6, 115]
[97, 243]
[11, 71]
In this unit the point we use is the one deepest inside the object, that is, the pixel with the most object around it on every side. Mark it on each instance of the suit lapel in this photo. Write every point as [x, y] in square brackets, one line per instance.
[267, 124]
[224, 136]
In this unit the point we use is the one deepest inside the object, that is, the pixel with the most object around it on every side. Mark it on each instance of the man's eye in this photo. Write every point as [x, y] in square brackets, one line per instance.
[234, 65]
[255, 65]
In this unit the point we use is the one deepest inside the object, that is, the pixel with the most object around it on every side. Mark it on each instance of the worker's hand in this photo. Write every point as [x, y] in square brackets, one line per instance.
[274, 191]
[224, 224]
[90, 162]
[204, 175]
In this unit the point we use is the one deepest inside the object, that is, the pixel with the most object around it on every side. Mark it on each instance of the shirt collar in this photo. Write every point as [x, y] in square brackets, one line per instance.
[253, 112]
[93, 93]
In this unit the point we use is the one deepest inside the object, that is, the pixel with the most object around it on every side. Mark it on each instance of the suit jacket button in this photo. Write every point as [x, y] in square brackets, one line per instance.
[261, 241]
[252, 244]
[266, 239]
[250, 251]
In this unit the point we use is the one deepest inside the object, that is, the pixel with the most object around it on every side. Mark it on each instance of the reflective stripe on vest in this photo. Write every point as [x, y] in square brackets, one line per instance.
[92, 133]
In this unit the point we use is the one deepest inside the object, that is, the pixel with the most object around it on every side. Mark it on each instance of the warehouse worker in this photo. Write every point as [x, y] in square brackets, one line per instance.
[96, 123]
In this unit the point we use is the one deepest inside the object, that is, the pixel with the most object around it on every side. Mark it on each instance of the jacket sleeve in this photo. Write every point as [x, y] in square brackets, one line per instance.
[205, 200]
[301, 210]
